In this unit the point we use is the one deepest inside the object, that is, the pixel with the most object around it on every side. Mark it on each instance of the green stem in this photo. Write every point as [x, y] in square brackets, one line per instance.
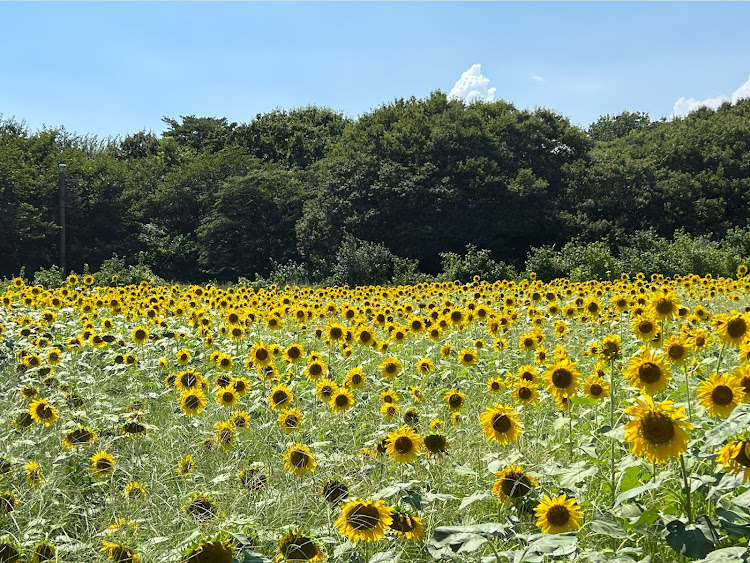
[688, 504]
[612, 395]
[687, 391]
[721, 353]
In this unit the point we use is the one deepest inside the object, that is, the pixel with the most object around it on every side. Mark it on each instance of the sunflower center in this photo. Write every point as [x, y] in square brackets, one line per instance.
[524, 393]
[279, 397]
[657, 428]
[455, 400]
[261, 354]
[299, 458]
[104, 465]
[645, 327]
[336, 333]
[342, 400]
[515, 485]
[192, 402]
[501, 423]
[390, 367]
[356, 379]
[291, 421]
[596, 389]
[326, 391]
[558, 515]
[722, 395]
[649, 372]
[363, 517]
[44, 412]
[741, 456]
[315, 369]
[664, 306]
[79, 436]
[737, 327]
[435, 443]
[745, 384]
[300, 549]
[527, 376]
[528, 342]
[294, 353]
[227, 397]
[403, 445]
[676, 351]
[495, 386]
[562, 378]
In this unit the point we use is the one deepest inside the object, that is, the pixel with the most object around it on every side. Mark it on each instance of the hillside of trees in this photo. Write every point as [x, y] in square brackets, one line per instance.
[416, 185]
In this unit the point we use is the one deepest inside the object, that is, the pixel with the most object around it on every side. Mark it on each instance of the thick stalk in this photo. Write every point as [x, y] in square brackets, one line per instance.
[688, 504]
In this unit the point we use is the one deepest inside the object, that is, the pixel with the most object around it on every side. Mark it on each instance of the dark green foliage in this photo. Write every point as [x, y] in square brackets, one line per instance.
[360, 262]
[474, 263]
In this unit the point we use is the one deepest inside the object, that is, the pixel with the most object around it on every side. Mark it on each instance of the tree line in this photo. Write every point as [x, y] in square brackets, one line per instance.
[416, 183]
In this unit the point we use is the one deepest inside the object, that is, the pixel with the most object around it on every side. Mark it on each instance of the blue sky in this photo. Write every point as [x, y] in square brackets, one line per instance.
[115, 68]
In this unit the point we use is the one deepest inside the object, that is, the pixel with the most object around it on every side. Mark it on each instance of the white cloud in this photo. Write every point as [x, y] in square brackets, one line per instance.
[684, 106]
[473, 86]
[537, 78]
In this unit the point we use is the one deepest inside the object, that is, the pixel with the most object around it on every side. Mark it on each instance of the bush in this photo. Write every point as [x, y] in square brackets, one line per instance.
[114, 271]
[474, 263]
[360, 262]
[290, 273]
[50, 277]
[546, 262]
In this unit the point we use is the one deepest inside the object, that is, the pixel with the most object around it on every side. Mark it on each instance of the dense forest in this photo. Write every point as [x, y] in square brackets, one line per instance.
[417, 185]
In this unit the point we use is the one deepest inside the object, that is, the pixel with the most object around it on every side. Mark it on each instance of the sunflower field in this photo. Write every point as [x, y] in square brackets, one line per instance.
[514, 421]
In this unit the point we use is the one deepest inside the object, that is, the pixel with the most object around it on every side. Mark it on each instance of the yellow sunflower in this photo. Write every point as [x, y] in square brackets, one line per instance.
[425, 366]
[290, 420]
[407, 525]
[495, 384]
[512, 483]
[561, 378]
[139, 335]
[558, 515]
[42, 412]
[467, 357]
[454, 399]
[33, 474]
[355, 378]
[656, 432]
[720, 394]
[501, 423]
[735, 457]
[742, 374]
[341, 400]
[676, 350]
[224, 433]
[390, 367]
[294, 353]
[299, 460]
[648, 371]
[645, 328]
[315, 369]
[595, 387]
[227, 397]
[281, 397]
[403, 445]
[192, 402]
[364, 520]
[524, 393]
[733, 328]
[611, 347]
[260, 354]
[102, 464]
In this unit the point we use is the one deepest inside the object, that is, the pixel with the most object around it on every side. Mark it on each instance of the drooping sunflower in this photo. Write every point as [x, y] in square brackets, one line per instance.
[558, 515]
[454, 399]
[561, 378]
[201, 508]
[735, 457]
[253, 479]
[407, 525]
[213, 550]
[416, 394]
[224, 433]
[8, 502]
[611, 347]
[512, 483]
[501, 423]
[281, 396]
[656, 432]
[648, 371]
[720, 394]
[364, 520]
[524, 393]
[595, 387]
[33, 474]
[135, 490]
[102, 464]
[733, 328]
[404, 444]
[299, 460]
[342, 400]
[42, 412]
[185, 465]
[334, 491]
[436, 444]
[78, 437]
[297, 548]
[290, 420]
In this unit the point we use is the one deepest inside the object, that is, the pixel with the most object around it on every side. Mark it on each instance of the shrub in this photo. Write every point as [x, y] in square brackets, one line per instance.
[474, 263]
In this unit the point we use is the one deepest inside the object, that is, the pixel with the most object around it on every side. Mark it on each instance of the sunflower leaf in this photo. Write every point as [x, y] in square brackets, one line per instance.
[692, 540]
[479, 495]
[727, 555]
[737, 421]
[638, 491]
[607, 527]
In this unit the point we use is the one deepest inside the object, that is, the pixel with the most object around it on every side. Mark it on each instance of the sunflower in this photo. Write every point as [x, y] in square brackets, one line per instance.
[648, 371]
[134, 490]
[436, 424]
[454, 399]
[403, 445]
[389, 396]
[281, 396]
[215, 550]
[645, 328]
[664, 305]
[733, 328]
[298, 548]
[33, 474]
[253, 479]
[342, 400]
[676, 350]
[611, 347]
[561, 378]
[315, 369]
[457, 419]
[656, 432]
[467, 357]
[558, 515]
[79, 437]
[407, 525]
[183, 357]
[512, 483]
[365, 336]
[389, 410]
[240, 419]
[742, 374]
[189, 380]
[735, 457]
[334, 492]
[595, 387]
[355, 378]
[139, 335]
[42, 412]
[227, 397]
[224, 362]
[102, 464]
[501, 423]
[241, 385]
[446, 350]
[290, 420]
[260, 354]
[720, 394]
[524, 393]
[325, 389]
[201, 508]
[390, 367]
[294, 353]
[335, 332]
[364, 520]
[299, 460]
[425, 366]
[495, 384]
[224, 433]
[192, 402]
[43, 551]
[436, 443]
[185, 465]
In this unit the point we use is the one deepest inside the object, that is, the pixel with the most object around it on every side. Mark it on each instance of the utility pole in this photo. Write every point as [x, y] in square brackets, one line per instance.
[61, 197]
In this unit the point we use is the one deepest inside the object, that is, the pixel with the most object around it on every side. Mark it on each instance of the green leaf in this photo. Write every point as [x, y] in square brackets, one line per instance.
[384, 557]
[638, 491]
[607, 527]
[727, 555]
[739, 420]
[479, 495]
[251, 557]
[691, 540]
